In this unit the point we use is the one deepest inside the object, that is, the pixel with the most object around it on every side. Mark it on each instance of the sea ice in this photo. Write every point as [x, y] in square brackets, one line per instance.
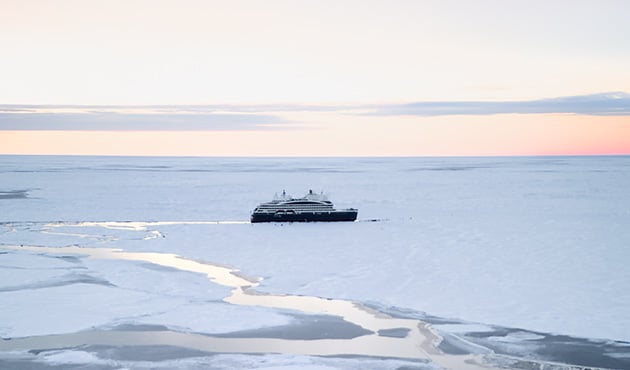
[532, 243]
[107, 293]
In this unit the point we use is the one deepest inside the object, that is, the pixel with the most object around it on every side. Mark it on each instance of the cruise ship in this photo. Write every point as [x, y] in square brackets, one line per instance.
[312, 207]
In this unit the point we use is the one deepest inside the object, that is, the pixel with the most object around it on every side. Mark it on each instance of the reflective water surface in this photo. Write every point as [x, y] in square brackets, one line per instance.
[418, 340]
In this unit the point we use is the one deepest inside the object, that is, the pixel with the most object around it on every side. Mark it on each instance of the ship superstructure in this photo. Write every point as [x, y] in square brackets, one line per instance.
[311, 207]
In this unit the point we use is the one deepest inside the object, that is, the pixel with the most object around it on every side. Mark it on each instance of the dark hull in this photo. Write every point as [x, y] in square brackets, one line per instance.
[335, 216]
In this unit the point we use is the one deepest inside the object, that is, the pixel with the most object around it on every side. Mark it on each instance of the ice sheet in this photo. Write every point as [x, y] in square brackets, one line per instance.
[220, 362]
[105, 293]
[533, 243]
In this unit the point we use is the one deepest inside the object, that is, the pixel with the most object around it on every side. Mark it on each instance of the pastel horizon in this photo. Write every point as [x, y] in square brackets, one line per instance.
[349, 78]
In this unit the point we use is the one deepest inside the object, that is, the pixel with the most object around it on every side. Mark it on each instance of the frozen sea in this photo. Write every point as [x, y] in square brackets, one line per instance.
[523, 260]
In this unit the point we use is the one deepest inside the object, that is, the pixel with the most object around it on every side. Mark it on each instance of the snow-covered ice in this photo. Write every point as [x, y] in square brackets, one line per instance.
[533, 243]
[225, 361]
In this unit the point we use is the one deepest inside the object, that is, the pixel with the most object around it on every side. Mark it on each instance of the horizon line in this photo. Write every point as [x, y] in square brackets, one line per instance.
[321, 156]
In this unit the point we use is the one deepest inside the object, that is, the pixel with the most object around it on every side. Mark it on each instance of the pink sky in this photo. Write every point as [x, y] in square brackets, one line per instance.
[520, 54]
[510, 134]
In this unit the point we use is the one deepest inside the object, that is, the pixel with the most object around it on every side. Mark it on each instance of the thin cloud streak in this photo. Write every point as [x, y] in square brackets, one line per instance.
[182, 108]
[606, 104]
[229, 117]
[114, 121]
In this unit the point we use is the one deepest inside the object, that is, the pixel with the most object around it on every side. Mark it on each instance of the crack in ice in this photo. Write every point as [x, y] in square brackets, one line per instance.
[420, 342]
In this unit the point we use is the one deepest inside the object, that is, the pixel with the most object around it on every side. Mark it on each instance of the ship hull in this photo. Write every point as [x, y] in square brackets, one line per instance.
[334, 216]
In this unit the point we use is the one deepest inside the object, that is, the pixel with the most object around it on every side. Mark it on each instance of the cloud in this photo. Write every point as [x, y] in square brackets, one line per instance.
[91, 120]
[178, 109]
[606, 104]
[235, 117]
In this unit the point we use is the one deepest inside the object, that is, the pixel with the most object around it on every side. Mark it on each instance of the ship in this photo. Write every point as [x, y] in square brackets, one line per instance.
[312, 207]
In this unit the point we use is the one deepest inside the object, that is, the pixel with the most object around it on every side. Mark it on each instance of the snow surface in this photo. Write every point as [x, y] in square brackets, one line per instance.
[533, 243]
[224, 361]
[102, 293]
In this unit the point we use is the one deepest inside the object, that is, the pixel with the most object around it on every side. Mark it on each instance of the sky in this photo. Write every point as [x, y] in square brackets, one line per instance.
[315, 78]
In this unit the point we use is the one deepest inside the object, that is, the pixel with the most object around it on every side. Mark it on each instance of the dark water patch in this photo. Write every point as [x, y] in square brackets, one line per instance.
[557, 348]
[526, 344]
[308, 327]
[419, 367]
[14, 194]
[140, 327]
[145, 353]
[394, 333]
